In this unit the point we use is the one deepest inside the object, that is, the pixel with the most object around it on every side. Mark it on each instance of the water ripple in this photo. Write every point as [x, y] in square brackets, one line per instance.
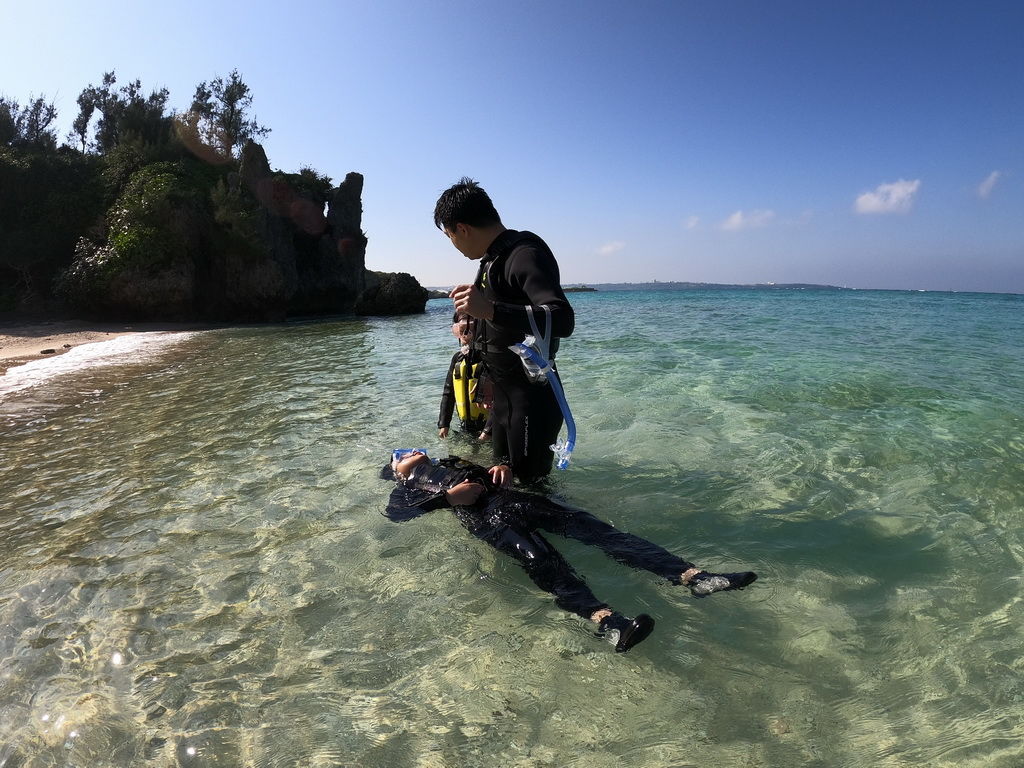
[196, 572]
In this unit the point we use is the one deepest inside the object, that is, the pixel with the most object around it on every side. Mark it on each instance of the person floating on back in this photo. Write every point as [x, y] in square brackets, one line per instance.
[509, 520]
[464, 386]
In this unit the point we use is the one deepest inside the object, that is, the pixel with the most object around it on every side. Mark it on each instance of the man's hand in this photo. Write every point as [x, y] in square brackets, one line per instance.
[464, 494]
[442, 432]
[501, 475]
[469, 299]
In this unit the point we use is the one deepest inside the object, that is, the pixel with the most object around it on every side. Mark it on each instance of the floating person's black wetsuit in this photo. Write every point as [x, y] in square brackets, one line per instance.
[509, 520]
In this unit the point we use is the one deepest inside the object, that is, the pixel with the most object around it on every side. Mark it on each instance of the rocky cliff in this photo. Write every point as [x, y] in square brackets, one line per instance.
[186, 241]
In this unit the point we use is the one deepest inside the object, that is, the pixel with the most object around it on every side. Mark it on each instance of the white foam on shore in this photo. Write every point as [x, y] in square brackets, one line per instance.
[131, 347]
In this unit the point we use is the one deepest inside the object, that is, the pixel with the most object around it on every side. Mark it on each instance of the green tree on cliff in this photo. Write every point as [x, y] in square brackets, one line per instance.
[28, 127]
[8, 116]
[220, 114]
[47, 197]
[150, 213]
[125, 115]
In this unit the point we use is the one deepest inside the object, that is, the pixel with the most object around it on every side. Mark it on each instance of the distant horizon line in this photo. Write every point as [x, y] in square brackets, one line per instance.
[685, 284]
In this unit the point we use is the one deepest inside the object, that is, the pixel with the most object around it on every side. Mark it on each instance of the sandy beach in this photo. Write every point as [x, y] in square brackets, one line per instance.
[23, 342]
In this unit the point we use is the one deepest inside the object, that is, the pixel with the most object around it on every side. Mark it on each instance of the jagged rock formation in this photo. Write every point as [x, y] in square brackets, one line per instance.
[187, 241]
[315, 263]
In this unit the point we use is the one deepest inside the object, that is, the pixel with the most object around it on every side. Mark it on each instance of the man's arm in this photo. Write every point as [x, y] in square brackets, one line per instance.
[531, 269]
[535, 272]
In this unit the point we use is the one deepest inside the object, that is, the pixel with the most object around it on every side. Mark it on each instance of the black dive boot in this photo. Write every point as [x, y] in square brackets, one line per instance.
[623, 632]
[704, 583]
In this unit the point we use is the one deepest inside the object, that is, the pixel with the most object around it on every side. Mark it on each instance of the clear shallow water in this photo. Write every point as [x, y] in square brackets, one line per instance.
[194, 571]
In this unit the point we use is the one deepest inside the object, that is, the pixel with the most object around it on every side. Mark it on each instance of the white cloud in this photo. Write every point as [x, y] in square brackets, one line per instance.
[741, 220]
[609, 248]
[986, 187]
[894, 197]
[692, 222]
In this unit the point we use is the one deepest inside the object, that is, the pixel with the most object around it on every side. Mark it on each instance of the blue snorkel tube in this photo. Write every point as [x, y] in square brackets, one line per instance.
[539, 369]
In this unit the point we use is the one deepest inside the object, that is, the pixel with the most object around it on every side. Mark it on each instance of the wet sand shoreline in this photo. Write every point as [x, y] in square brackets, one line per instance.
[22, 342]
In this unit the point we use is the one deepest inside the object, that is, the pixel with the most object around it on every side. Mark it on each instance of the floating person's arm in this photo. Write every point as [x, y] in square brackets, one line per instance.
[416, 492]
[423, 485]
[501, 475]
[406, 503]
[465, 494]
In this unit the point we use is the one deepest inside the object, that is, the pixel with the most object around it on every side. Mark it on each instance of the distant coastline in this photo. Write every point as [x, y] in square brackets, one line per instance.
[657, 285]
[671, 285]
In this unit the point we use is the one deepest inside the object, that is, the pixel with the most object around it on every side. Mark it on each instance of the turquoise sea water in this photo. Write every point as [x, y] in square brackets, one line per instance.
[195, 572]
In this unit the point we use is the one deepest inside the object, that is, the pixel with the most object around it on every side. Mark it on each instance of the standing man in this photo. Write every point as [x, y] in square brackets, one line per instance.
[517, 282]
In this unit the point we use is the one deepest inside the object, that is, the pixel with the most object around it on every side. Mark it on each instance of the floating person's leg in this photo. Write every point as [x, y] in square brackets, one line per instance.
[636, 552]
[551, 572]
[624, 547]
[703, 583]
[622, 631]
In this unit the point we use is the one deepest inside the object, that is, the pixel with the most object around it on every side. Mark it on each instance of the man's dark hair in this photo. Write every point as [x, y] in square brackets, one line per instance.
[465, 203]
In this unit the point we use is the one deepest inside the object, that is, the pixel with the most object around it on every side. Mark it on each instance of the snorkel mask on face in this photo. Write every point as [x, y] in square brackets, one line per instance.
[400, 453]
[390, 470]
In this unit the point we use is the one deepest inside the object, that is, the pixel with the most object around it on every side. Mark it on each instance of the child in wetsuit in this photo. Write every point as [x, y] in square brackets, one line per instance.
[464, 386]
[509, 520]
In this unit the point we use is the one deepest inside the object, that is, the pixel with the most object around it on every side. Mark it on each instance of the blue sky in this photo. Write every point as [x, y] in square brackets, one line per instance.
[867, 144]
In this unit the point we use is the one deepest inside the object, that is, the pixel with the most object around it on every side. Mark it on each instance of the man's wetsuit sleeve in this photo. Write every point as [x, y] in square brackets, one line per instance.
[535, 272]
[444, 418]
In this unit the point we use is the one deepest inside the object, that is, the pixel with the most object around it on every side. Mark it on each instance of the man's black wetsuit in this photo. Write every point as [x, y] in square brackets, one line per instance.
[508, 520]
[519, 271]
